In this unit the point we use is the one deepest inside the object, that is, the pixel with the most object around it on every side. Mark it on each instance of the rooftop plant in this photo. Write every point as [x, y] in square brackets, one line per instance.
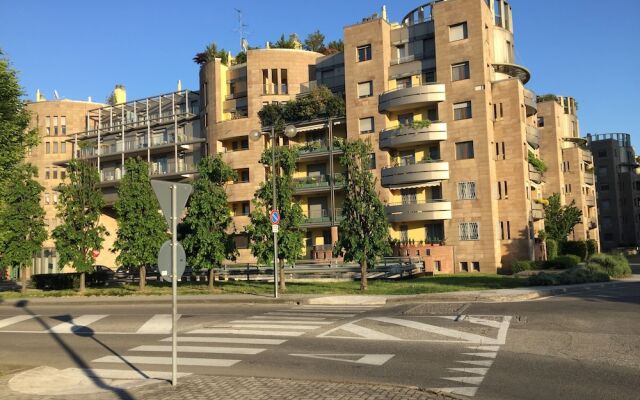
[537, 163]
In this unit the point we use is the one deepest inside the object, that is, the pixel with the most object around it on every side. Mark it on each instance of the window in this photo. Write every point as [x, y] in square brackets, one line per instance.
[63, 147]
[476, 266]
[466, 190]
[603, 171]
[540, 122]
[464, 150]
[405, 119]
[498, 111]
[464, 266]
[404, 233]
[462, 110]
[55, 173]
[365, 89]
[47, 124]
[469, 231]
[372, 161]
[503, 190]
[55, 125]
[501, 152]
[55, 147]
[403, 83]
[47, 198]
[47, 174]
[242, 241]
[63, 174]
[458, 32]
[437, 266]
[428, 76]
[505, 230]
[460, 71]
[63, 124]
[242, 209]
[242, 175]
[602, 153]
[401, 52]
[366, 125]
[47, 146]
[364, 53]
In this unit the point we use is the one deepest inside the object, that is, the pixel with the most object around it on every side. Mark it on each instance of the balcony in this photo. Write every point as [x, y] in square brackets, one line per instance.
[317, 183]
[589, 179]
[318, 150]
[412, 135]
[421, 171]
[411, 97]
[530, 102]
[593, 223]
[513, 70]
[590, 200]
[537, 211]
[534, 174]
[422, 210]
[533, 136]
[321, 218]
[587, 156]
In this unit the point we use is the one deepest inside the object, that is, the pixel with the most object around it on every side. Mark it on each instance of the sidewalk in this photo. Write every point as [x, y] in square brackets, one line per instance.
[488, 296]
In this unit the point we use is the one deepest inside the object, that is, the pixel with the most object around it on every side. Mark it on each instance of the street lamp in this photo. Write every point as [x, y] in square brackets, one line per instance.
[255, 135]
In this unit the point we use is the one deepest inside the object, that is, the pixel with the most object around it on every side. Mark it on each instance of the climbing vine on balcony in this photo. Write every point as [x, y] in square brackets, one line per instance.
[537, 163]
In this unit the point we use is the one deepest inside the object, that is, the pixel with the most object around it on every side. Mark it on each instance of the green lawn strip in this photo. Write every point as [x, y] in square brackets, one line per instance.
[432, 284]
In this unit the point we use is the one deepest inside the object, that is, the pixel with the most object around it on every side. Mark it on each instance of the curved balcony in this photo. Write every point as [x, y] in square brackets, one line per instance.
[513, 70]
[530, 102]
[411, 135]
[428, 210]
[533, 136]
[411, 97]
[422, 171]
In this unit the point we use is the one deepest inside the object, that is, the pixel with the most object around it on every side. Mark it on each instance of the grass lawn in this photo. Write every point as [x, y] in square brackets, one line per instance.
[430, 284]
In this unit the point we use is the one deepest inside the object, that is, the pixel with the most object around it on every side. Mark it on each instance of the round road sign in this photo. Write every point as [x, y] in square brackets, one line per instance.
[274, 217]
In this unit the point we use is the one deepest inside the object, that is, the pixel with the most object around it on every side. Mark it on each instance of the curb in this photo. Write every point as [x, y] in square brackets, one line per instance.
[486, 296]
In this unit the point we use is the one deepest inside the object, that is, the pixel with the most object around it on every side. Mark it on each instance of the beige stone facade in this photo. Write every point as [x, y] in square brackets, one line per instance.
[570, 163]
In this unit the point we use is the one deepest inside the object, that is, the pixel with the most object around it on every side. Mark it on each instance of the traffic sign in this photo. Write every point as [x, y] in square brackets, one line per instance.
[164, 260]
[274, 217]
[163, 193]
[275, 228]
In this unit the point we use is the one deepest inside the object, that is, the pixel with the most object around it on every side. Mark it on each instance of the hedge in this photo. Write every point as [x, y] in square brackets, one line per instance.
[615, 266]
[520, 266]
[578, 248]
[552, 249]
[566, 261]
[592, 247]
[69, 280]
[569, 277]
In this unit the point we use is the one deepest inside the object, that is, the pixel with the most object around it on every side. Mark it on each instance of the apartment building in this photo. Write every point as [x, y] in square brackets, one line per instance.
[618, 188]
[442, 101]
[569, 161]
[54, 120]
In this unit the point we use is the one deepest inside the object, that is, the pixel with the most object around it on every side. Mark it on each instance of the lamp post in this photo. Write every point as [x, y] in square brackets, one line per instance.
[255, 135]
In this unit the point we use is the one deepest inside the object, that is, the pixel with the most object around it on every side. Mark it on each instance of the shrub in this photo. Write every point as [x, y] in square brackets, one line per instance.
[569, 277]
[592, 247]
[519, 266]
[566, 261]
[542, 279]
[615, 266]
[577, 247]
[56, 281]
[552, 248]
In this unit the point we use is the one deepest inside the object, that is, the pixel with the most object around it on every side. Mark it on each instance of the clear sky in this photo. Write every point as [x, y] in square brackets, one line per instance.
[583, 48]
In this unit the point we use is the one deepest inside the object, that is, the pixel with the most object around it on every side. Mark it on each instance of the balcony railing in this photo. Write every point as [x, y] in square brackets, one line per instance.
[411, 97]
[317, 217]
[412, 209]
[412, 134]
[318, 181]
[408, 171]
[154, 119]
[272, 89]
[537, 211]
[530, 102]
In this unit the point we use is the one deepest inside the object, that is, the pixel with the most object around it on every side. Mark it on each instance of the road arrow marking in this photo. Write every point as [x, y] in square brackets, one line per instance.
[367, 359]
[472, 380]
[465, 391]
[361, 331]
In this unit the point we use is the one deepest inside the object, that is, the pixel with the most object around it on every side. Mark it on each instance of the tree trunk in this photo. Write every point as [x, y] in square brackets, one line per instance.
[143, 277]
[82, 279]
[23, 279]
[211, 278]
[363, 275]
[281, 283]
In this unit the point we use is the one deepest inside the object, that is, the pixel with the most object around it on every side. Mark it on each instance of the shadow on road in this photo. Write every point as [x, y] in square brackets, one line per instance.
[75, 357]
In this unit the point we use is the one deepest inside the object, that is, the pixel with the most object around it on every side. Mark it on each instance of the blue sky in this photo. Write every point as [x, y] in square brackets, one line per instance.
[584, 48]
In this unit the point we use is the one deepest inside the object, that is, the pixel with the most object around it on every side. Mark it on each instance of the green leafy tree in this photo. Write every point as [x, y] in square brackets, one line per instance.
[319, 103]
[315, 42]
[334, 46]
[210, 53]
[22, 219]
[141, 228]
[79, 207]
[559, 220]
[207, 240]
[364, 231]
[292, 42]
[291, 235]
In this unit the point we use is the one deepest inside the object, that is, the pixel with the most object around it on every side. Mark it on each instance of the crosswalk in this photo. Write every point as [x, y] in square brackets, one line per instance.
[225, 344]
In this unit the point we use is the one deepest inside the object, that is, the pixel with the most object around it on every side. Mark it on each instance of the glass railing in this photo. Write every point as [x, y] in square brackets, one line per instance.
[403, 162]
[415, 201]
[317, 216]
[313, 181]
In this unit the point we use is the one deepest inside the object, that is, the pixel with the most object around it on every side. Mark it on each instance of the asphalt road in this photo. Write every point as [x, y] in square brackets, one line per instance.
[567, 347]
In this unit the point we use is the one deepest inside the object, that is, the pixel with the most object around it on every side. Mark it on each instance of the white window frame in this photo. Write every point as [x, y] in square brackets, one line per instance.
[458, 32]
[467, 191]
[365, 89]
[469, 231]
[372, 125]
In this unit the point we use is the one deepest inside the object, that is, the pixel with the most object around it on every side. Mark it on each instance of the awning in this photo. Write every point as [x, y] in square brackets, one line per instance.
[415, 186]
[311, 127]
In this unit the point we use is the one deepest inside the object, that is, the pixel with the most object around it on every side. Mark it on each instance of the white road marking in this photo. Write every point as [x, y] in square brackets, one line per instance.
[275, 326]
[14, 320]
[470, 337]
[206, 362]
[264, 321]
[367, 359]
[477, 371]
[201, 349]
[472, 380]
[482, 363]
[289, 318]
[311, 311]
[159, 323]
[487, 355]
[128, 374]
[484, 348]
[245, 332]
[200, 339]
[465, 390]
[329, 307]
[361, 331]
[317, 314]
[76, 324]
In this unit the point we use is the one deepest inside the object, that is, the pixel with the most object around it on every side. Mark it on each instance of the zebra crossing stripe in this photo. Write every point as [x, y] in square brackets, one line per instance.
[201, 349]
[201, 339]
[128, 374]
[275, 326]
[76, 324]
[14, 320]
[314, 314]
[305, 319]
[205, 362]
[266, 321]
[158, 324]
[244, 332]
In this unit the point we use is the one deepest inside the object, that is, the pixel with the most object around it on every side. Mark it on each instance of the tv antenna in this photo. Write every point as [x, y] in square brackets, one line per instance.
[244, 44]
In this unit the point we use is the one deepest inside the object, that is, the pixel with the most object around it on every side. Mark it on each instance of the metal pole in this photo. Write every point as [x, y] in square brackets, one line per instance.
[274, 141]
[174, 286]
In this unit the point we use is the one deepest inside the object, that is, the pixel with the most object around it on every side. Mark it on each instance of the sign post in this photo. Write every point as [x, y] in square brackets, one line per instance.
[172, 198]
[274, 217]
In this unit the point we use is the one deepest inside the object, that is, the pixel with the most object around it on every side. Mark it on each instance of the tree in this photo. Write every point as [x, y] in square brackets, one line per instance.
[364, 231]
[291, 235]
[210, 53]
[559, 220]
[315, 42]
[141, 228]
[22, 219]
[292, 42]
[334, 46]
[319, 103]
[79, 208]
[15, 138]
[207, 240]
